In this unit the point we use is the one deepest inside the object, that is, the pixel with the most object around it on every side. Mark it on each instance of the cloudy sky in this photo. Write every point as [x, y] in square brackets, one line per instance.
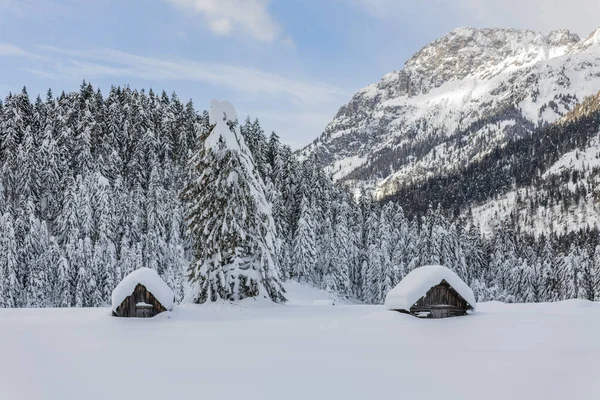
[291, 63]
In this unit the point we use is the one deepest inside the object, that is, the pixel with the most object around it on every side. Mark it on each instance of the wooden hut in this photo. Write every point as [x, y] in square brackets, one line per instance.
[431, 292]
[142, 294]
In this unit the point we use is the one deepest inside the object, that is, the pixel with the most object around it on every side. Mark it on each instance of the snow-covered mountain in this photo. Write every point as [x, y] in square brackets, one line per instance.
[456, 100]
[575, 174]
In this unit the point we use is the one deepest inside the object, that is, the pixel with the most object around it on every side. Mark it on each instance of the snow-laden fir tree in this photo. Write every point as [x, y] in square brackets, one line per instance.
[338, 279]
[304, 247]
[229, 218]
[587, 283]
[9, 282]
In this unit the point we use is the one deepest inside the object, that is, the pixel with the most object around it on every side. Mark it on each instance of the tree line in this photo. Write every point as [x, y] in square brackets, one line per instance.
[94, 186]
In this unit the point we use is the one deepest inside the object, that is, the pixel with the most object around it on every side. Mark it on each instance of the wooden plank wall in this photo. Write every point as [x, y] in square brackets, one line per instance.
[441, 301]
[139, 295]
[441, 294]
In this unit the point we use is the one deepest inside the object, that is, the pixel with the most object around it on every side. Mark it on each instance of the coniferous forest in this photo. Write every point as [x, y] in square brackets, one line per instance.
[95, 185]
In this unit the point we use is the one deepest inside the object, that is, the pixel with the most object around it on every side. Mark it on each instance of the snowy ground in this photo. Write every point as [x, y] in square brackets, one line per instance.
[302, 351]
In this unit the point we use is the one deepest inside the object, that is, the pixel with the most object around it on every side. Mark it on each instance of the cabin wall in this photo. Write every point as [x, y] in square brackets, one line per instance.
[441, 294]
[447, 312]
[140, 295]
[441, 301]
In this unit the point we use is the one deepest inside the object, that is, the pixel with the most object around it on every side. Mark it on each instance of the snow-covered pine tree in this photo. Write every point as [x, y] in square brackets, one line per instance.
[387, 279]
[36, 258]
[255, 139]
[16, 119]
[342, 247]
[586, 285]
[87, 129]
[533, 279]
[375, 258]
[355, 228]
[229, 219]
[596, 272]
[475, 253]
[9, 282]
[572, 273]
[304, 247]
[553, 272]
[176, 261]
[51, 163]
[104, 253]
[328, 260]
[82, 292]
[62, 289]
[283, 240]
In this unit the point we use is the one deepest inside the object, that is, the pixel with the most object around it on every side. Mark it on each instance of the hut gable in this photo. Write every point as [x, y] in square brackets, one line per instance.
[142, 294]
[434, 291]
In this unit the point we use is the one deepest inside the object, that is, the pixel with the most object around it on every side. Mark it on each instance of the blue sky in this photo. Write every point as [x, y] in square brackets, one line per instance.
[291, 63]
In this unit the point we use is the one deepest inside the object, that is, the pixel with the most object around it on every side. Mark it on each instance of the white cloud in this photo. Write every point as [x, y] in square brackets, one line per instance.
[7, 49]
[225, 17]
[580, 16]
[107, 62]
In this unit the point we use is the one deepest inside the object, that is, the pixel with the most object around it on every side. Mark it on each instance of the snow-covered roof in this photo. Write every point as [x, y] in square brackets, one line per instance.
[418, 282]
[150, 280]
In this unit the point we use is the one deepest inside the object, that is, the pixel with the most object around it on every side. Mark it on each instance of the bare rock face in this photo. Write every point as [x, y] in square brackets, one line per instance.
[469, 51]
[562, 37]
[454, 101]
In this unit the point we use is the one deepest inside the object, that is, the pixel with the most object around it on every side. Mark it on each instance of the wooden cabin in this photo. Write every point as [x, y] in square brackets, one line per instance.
[142, 294]
[140, 304]
[441, 301]
[431, 292]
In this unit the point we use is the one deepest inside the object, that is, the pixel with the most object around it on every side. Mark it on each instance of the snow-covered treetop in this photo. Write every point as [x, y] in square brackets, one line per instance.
[219, 114]
[418, 282]
[151, 281]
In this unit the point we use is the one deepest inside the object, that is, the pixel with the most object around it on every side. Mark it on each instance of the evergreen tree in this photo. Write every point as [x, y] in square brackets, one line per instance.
[62, 291]
[552, 273]
[304, 254]
[9, 282]
[229, 218]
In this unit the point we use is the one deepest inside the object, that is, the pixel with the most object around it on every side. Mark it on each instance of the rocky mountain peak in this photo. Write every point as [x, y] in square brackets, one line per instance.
[562, 37]
[592, 41]
[594, 37]
[454, 101]
[469, 51]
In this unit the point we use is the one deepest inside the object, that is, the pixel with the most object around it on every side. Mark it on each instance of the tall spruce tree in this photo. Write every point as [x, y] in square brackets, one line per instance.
[229, 218]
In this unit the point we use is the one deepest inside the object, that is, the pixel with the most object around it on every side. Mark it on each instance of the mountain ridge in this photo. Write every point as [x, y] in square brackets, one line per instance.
[454, 101]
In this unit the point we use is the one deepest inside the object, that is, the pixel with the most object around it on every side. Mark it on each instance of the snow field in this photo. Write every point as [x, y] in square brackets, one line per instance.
[256, 350]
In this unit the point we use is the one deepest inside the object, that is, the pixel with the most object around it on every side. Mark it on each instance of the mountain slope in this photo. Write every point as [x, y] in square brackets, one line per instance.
[563, 194]
[455, 101]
